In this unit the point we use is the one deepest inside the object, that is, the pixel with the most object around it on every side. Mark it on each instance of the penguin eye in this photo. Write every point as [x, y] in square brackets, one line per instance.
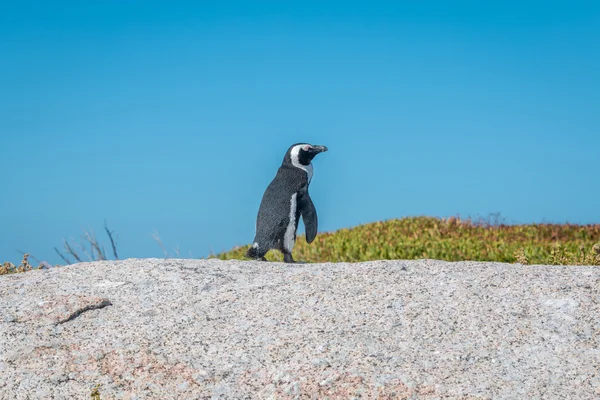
[307, 148]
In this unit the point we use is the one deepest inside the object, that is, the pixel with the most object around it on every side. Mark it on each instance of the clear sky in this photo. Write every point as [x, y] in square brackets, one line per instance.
[174, 116]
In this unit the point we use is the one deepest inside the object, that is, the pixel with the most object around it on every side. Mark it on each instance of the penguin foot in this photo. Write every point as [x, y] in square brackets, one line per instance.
[288, 258]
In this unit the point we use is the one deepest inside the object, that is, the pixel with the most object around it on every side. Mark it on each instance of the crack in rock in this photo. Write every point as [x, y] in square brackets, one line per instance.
[56, 309]
[103, 303]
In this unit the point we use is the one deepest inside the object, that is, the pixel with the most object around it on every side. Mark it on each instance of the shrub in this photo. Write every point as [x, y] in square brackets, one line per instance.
[449, 239]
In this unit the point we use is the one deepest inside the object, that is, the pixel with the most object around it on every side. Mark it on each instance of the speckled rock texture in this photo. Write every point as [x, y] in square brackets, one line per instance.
[211, 329]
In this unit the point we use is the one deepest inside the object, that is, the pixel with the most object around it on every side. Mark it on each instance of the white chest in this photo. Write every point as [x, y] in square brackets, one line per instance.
[290, 233]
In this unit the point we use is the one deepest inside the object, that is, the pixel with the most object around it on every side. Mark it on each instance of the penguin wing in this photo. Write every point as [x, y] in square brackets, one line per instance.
[309, 216]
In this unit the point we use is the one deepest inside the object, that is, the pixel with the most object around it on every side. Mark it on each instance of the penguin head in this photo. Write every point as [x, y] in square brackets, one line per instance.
[302, 153]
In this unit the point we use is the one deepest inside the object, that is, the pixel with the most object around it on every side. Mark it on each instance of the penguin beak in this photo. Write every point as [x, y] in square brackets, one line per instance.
[319, 149]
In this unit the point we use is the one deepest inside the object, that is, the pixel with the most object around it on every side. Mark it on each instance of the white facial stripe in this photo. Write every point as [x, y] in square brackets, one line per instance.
[288, 238]
[296, 163]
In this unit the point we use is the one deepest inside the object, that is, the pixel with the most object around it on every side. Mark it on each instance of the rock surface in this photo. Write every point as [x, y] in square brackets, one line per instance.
[192, 329]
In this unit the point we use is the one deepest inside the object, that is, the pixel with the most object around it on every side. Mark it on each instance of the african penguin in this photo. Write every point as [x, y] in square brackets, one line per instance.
[284, 201]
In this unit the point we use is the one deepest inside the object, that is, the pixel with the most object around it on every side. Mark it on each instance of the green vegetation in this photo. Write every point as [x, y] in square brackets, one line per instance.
[450, 239]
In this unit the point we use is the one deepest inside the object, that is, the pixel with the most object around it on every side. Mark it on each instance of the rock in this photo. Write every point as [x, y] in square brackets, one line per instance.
[321, 362]
[173, 329]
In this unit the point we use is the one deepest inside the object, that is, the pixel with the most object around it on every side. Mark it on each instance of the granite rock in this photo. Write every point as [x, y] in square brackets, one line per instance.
[212, 329]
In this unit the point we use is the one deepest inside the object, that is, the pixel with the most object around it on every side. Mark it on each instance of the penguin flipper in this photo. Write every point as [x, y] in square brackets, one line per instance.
[309, 216]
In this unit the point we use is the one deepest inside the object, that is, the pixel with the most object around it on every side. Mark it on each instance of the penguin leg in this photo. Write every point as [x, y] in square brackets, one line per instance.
[287, 257]
[255, 253]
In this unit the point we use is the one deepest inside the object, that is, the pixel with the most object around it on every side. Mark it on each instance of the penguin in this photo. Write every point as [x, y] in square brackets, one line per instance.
[283, 202]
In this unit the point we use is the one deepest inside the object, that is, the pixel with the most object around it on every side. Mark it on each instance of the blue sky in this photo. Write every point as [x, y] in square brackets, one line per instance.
[174, 116]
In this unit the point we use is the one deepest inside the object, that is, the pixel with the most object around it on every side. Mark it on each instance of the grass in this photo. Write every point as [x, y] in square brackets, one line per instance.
[450, 239]
[79, 251]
